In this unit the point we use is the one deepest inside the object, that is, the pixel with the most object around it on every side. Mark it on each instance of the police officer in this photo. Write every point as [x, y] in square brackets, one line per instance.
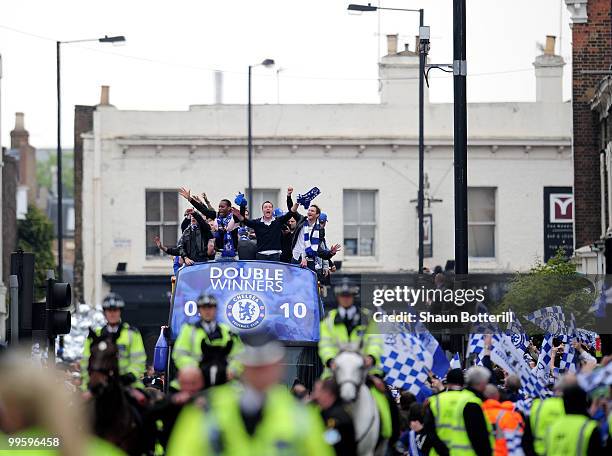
[543, 413]
[349, 324]
[132, 356]
[208, 344]
[439, 418]
[575, 432]
[256, 416]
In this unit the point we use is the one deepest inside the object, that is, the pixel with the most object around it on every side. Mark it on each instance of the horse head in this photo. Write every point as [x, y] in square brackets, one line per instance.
[103, 364]
[349, 372]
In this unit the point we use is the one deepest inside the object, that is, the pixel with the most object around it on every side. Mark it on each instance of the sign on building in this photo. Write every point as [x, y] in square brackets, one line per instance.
[558, 221]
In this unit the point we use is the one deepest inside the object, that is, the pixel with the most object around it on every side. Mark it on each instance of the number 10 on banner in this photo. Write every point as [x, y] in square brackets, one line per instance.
[299, 310]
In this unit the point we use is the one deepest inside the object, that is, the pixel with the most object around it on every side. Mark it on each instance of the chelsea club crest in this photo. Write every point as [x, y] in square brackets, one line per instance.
[245, 311]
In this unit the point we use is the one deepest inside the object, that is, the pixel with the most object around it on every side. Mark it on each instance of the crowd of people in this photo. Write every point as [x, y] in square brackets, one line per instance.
[228, 397]
[229, 234]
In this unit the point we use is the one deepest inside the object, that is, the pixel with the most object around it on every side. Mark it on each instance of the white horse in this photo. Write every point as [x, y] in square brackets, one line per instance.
[350, 374]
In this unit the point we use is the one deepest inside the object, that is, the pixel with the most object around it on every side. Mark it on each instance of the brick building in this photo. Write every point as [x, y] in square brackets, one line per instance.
[592, 60]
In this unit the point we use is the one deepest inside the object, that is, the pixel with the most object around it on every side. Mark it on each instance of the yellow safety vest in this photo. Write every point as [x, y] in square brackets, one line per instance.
[543, 413]
[570, 434]
[443, 408]
[460, 442]
[132, 356]
[333, 334]
[286, 427]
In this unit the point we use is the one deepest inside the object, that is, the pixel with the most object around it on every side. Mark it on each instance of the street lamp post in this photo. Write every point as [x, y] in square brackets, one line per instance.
[266, 63]
[423, 50]
[460, 137]
[60, 229]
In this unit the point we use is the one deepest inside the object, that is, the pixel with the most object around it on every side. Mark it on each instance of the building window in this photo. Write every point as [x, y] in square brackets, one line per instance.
[359, 210]
[259, 196]
[481, 222]
[161, 219]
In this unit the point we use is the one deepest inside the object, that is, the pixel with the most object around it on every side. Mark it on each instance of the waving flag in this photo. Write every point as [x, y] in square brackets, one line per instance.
[601, 376]
[569, 357]
[517, 333]
[455, 362]
[550, 319]
[475, 344]
[403, 363]
[542, 369]
[588, 338]
[510, 358]
[603, 300]
[435, 357]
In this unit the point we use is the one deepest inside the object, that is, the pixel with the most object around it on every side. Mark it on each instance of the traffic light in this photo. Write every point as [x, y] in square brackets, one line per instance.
[59, 298]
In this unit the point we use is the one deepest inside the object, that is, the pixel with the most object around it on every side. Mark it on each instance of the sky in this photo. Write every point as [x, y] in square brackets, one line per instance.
[324, 54]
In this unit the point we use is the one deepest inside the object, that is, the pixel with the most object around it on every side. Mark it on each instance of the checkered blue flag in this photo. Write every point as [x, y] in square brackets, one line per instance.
[550, 319]
[542, 369]
[598, 308]
[475, 344]
[404, 364]
[569, 356]
[511, 359]
[514, 443]
[524, 405]
[517, 333]
[588, 338]
[602, 376]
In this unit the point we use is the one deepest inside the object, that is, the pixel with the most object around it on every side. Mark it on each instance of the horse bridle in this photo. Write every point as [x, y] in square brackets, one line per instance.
[357, 386]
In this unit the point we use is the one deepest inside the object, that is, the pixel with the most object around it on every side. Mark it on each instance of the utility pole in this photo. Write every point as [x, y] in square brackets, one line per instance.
[460, 138]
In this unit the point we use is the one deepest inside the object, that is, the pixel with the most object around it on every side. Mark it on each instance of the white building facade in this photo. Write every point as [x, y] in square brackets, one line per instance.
[363, 157]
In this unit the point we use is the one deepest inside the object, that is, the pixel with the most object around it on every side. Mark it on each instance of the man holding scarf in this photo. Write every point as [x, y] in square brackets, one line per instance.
[306, 240]
[226, 236]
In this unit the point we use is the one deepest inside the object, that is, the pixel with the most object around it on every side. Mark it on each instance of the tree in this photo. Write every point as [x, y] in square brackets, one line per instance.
[44, 177]
[35, 234]
[553, 283]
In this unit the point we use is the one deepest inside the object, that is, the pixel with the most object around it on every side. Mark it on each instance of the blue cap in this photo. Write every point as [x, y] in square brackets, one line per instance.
[277, 212]
[322, 217]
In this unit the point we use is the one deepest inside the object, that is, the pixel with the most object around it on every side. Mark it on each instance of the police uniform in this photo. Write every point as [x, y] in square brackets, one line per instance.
[542, 415]
[569, 434]
[236, 420]
[352, 325]
[132, 356]
[355, 326]
[207, 344]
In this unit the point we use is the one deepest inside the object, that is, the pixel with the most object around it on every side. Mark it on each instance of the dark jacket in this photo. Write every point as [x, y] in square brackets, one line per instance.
[336, 417]
[220, 234]
[268, 236]
[193, 243]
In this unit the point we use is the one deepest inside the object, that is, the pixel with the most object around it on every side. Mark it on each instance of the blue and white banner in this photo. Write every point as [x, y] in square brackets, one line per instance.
[276, 298]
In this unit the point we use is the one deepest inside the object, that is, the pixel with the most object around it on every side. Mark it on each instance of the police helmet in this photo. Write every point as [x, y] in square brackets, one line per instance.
[345, 288]
[113, 301]
[207, 301]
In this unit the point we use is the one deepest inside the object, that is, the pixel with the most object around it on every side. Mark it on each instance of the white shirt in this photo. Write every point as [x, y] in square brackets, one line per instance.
[299, 250]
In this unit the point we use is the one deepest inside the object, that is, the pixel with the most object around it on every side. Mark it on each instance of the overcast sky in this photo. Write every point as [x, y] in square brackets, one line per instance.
[326, 54]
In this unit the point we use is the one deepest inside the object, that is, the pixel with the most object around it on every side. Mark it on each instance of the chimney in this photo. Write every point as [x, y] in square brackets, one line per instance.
[104, 96]
[399, 76]
[19, 123]
[549, 74]
[19, 136]
[406, 47]
[417, 43]
[392, 44]
[549, 49]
